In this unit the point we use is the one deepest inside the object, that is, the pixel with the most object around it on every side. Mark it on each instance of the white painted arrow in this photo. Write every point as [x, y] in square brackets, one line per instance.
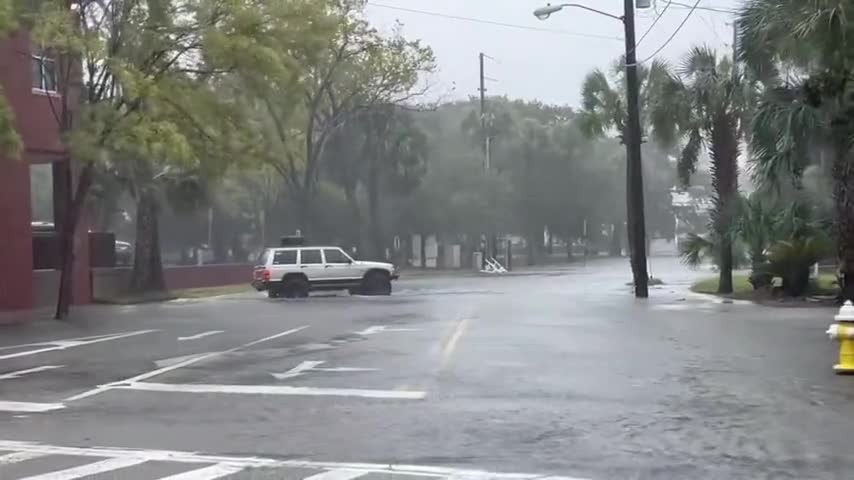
[20, 373]
[382, 328]
[200, 335]
[54, 345]
[311, 366]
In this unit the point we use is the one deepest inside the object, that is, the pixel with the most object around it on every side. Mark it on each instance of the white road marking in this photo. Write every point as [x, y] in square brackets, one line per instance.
[299, 369]
[19, 373]
[451, 346]
[271, 390]
[311, 366]
[339, 474]
[167, 362]
[103, 388]
[29, 407]
[54, 345]
[90, 469]
[207, 473]
[382, 328]
[346, 369]
[200, 335]
[17, 457]
[259, 462]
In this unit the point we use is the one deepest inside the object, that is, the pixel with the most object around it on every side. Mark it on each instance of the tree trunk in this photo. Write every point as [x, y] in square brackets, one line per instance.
[303, 202]
[532, 248]
[726, 265]
[147, 272]
[373, 211]
[423, 250]
[616, 247]
[843, 196]
[724, 169]
[355, 215]
[66, 245]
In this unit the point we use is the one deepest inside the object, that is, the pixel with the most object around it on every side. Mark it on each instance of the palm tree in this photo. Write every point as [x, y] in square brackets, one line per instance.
[813, 107]
[756, 227]
[703, 104]
[604, 108]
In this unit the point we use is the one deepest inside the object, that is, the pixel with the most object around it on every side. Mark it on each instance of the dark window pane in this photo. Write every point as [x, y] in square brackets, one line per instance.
[49, 74]
[333, 255]
[285, 257]
[311, 257]
[36, 65]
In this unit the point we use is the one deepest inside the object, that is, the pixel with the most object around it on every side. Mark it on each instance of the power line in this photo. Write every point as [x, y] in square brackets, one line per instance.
[653, 23]
[708, 9]
[684, 21]
[490, 22]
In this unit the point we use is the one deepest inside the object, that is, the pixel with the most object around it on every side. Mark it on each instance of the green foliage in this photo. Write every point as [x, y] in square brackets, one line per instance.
[802, 51]
[696, 249]
[10, 143]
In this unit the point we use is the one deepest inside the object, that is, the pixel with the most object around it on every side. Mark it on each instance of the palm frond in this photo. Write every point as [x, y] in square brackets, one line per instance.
[687, 164]
[695, 249]
[602, 103]
[668, 111]
[782, 130]
[699, 64]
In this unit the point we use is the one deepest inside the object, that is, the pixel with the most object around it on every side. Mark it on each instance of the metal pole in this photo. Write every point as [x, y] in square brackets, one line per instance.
[634, 172]
[485, 138]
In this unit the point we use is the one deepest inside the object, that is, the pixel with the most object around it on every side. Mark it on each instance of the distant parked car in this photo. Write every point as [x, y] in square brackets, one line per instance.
[295, 271]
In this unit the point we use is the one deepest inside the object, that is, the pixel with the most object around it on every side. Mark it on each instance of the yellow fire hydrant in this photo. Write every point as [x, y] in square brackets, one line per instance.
[843, 331]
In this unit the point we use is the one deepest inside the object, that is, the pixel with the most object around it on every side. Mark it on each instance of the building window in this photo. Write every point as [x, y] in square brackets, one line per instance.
[44, 73]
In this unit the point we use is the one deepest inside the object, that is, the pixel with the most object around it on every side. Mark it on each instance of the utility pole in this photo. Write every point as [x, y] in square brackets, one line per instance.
[483, 123]
[491, 240]
[634, 165]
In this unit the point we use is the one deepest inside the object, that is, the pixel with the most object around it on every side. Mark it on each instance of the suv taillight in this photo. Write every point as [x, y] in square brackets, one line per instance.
[265, 275]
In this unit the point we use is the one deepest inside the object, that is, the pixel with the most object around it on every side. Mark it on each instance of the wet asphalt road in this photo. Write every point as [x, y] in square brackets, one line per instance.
[556, 373]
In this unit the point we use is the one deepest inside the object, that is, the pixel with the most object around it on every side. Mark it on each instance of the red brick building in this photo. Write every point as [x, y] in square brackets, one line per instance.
[30, 85]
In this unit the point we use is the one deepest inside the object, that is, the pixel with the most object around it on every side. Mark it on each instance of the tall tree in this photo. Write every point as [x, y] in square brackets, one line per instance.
[351, 70]
[395, 149]
[704, 103]
[143, 64]
[809, 44]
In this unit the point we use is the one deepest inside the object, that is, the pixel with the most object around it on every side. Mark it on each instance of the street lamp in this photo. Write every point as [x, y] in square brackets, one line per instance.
[543, 13]
[632, 139]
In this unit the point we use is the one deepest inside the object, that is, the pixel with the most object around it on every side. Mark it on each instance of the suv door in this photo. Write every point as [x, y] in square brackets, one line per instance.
[311, 264]
[282, 263]
[338, 265]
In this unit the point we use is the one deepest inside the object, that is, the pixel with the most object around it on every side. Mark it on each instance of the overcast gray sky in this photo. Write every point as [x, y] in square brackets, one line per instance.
[548, 66]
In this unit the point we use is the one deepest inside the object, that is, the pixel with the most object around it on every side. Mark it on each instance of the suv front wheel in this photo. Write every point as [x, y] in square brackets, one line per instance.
[376, 283]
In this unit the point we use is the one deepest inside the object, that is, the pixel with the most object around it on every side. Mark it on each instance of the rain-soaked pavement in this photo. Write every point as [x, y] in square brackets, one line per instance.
[559, 373]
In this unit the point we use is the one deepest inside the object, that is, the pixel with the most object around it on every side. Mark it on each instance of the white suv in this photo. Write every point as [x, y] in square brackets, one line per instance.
[295, 271]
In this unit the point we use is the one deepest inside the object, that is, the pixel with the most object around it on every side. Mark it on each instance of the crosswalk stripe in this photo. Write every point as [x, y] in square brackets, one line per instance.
[338, 474]
[208, 473]
[16, 457]
[89, 469]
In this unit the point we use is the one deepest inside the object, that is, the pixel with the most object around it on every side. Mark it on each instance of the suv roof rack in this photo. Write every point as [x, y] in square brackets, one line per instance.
[292, 241]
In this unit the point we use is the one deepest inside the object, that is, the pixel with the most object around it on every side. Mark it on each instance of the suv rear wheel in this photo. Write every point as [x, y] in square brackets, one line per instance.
[376, 283]
[295, 287]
